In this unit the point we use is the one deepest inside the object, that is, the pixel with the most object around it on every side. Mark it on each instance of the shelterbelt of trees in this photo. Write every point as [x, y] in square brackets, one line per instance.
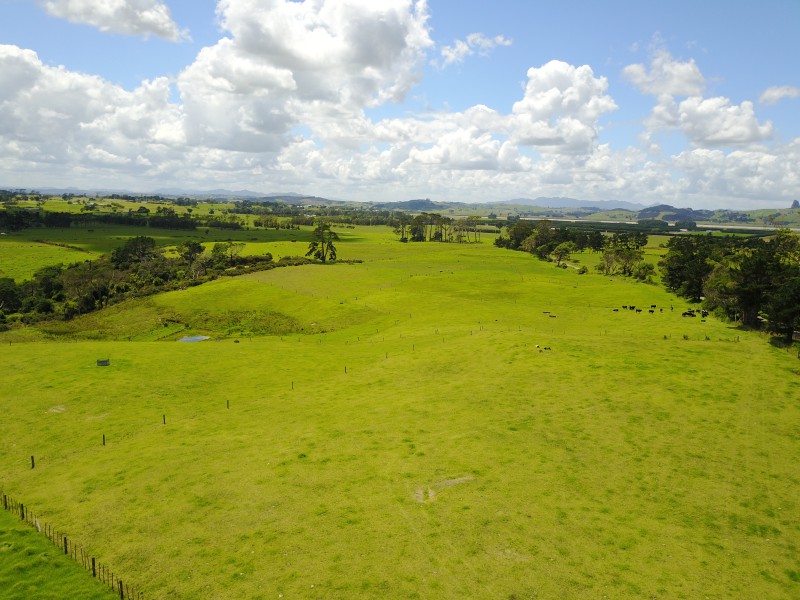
[754, 280]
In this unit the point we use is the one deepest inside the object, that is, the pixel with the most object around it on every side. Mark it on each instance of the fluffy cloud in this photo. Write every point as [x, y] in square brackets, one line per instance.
[69, 120]
[289, 63]
[775, 94]
[717, 122]
[666, 76]
[706, 122]
[753, 174]
[469, 149]
[561, 108]
[359, 52]
[129, 17]
[475, 42]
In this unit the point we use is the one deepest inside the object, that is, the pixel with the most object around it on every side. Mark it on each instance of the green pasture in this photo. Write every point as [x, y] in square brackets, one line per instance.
[32, 567]
[20, 258]
[24, 252]
[397, 429]
[109, 205]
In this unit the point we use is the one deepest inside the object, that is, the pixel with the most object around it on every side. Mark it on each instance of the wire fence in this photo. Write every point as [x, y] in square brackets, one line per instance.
[76, 551]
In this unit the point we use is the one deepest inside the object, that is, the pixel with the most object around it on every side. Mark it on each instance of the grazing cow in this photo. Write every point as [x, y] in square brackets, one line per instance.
[616, 310]
[652, 306]
[552, 316]
[632, 307]
[704, 313]
[625, 306]
[661, 310]
[651, 311]
[547, 348]
[689, 313]
[638, 310]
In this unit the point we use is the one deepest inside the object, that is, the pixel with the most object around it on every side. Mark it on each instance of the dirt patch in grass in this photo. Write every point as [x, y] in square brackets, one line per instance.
[429, 493]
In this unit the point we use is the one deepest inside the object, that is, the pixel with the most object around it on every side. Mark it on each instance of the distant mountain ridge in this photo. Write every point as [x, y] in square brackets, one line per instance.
[561, 202]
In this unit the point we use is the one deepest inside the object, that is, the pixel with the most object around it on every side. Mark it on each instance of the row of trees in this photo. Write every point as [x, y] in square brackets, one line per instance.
[542, 237]
[166, 218]
[752, 280]
[433, 227]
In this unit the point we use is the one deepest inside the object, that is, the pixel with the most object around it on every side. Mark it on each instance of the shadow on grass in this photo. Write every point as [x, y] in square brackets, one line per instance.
[782, 343]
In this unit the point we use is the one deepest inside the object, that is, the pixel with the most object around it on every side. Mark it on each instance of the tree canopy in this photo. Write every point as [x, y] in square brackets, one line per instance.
[321, 245]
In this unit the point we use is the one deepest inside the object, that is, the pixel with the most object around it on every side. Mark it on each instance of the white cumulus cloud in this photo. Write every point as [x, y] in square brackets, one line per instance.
[706, 122]
[342, 51]
[69, 122]
[666, 76]
[717, 122]
[128, 17]
[561, 108]
[287, 63]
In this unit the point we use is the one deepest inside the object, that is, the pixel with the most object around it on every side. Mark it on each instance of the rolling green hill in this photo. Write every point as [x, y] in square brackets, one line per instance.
[439, 421]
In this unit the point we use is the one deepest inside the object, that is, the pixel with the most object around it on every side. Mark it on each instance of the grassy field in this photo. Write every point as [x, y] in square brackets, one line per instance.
[23, 253]
[397, 429]
[20, 258]
[32, 567]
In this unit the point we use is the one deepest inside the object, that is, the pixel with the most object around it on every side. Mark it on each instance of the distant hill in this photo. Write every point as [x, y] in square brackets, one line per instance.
[670, 213]
[225, 194]
[559, 202]
[425, 205]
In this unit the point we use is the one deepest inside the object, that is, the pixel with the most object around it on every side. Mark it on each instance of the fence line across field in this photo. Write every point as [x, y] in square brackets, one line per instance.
[74, 550]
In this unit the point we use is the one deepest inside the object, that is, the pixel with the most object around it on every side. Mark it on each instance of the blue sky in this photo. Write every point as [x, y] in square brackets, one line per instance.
[687, 103]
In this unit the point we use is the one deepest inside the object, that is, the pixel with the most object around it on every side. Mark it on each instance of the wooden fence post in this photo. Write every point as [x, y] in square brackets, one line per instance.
[94, 568]
[121, 590]
[22, 512]
[66, 545]
[33, 463]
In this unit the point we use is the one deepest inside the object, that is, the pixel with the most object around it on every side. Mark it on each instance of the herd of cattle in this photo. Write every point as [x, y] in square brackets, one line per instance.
[691, 312]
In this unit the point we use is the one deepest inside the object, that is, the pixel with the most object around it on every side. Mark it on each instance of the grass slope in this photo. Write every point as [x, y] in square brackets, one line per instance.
[31, 567]
[405, 437]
